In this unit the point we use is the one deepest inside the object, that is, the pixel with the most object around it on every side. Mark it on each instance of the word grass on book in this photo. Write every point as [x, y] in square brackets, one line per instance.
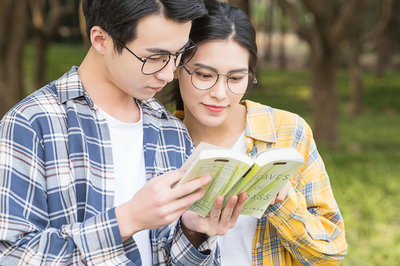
[233, 173]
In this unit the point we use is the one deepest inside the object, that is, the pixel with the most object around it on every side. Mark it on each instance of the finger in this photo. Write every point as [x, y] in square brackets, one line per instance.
[239, 207]
[191, 186]
[282, 194]
[280, 197]
[184, 202]
[173, 177]
[216, 210]
[228, 210]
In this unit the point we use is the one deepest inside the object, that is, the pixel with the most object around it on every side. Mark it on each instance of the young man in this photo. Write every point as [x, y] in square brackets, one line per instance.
[76, 181]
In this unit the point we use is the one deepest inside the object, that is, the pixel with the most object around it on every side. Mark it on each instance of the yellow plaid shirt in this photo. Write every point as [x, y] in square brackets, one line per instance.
[307, 227]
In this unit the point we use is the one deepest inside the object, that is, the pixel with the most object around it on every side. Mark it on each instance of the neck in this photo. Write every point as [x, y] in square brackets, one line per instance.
[103, 92]
[224, 135]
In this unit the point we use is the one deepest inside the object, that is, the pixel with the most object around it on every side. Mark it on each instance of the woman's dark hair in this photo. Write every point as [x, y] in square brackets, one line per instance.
[222, 22]
[119, 17]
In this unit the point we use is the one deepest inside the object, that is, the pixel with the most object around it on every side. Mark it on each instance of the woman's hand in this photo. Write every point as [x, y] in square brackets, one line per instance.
[216, 223]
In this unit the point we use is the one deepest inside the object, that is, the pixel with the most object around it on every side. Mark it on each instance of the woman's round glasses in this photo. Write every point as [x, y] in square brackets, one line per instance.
[157, 62]
[204, 78]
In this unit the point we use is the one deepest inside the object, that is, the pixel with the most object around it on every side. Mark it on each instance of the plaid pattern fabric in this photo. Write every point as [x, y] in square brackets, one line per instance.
[307, 227]
[56, 183]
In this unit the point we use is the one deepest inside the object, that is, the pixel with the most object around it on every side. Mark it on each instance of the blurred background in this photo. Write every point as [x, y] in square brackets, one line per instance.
[334, 62]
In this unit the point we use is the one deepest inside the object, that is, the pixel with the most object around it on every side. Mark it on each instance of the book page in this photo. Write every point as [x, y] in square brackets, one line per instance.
[225, 172]
[226, 168]
[270, 180]
[272, 169]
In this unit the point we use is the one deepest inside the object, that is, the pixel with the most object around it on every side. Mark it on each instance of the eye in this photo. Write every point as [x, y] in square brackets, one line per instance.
[204, 75]
[237, 77]
[155, 58]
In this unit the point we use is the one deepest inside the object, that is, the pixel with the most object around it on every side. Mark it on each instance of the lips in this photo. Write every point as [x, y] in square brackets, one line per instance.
[214, 108]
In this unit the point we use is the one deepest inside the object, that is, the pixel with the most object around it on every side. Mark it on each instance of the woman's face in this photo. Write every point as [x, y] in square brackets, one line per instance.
[213, 106]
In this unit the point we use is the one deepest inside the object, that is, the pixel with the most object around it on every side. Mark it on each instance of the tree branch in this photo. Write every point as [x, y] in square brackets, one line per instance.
[385, 16]
[302, 30]
[348, 11]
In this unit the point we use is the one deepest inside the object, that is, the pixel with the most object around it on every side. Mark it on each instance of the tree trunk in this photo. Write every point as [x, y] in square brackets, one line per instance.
[41, 45]
[13, 19]
[385, 52]
[356, 83]
[282, 48]
[270, 31]
[242, 4]
[323, 85]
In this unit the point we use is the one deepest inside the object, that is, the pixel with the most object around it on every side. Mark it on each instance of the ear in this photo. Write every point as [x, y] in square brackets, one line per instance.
[100, 39]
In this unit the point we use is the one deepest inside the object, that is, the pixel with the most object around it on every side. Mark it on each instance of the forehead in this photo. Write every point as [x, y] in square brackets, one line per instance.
[222, 54]
[158, 32]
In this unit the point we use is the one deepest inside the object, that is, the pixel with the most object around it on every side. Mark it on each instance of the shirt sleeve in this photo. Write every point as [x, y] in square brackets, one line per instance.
[308, 221]
[171, 247]
[26, 233]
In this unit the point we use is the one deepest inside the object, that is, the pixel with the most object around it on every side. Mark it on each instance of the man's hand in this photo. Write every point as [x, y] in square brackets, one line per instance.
[197, 228]
[159, 203]
[282, 194]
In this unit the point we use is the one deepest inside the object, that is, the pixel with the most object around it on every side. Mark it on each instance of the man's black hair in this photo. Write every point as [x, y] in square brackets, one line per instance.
[119, 18]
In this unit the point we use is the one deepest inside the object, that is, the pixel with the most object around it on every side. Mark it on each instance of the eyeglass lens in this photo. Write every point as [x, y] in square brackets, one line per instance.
[238, 82]
[157, 62]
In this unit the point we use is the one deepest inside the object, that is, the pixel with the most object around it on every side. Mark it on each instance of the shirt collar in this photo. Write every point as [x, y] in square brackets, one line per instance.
[260, 123]
[70, 86]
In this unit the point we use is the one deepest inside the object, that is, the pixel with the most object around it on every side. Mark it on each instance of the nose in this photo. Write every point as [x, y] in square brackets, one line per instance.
[220, 89]
[167, 73]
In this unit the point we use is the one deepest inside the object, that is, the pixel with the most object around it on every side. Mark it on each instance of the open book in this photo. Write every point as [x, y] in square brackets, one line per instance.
[234, 172]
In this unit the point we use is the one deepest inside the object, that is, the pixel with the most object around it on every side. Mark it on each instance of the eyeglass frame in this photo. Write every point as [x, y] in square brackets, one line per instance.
[144, 60]
[218, 75]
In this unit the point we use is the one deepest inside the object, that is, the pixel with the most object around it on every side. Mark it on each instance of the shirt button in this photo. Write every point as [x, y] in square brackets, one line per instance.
[271, 214]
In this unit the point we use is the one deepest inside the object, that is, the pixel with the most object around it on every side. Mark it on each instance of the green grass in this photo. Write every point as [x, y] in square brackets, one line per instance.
[364, 168]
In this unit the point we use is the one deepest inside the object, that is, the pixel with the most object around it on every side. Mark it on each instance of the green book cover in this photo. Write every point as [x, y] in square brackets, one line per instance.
[234, 172]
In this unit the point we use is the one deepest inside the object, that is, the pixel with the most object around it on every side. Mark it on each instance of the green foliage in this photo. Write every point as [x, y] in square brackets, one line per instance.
[364, 169]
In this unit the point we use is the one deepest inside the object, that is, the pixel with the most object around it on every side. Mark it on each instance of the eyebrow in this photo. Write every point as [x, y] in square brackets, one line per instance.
[215, 70]
[158, 50]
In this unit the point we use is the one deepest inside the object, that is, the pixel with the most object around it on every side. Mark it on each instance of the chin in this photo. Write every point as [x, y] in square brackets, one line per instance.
[212, 122]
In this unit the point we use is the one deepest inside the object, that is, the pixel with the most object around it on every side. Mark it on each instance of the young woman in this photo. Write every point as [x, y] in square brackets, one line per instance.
[303, 225]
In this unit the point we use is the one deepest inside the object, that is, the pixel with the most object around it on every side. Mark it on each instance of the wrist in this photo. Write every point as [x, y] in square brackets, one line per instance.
[194, 237]
[126, 223]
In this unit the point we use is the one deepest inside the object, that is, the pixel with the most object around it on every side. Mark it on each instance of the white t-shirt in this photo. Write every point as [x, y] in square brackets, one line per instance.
[236, 245]
[129, 170]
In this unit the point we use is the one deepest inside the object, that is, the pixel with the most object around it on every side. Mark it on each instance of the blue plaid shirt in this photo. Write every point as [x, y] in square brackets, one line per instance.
[56, 182]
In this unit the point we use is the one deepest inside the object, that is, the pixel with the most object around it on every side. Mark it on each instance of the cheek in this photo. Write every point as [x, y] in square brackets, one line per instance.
[188, 92]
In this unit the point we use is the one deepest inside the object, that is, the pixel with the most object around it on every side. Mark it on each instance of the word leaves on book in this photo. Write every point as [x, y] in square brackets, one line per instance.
[233, 173]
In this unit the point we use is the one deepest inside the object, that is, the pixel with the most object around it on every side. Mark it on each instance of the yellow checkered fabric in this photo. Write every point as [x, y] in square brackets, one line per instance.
[307, 227]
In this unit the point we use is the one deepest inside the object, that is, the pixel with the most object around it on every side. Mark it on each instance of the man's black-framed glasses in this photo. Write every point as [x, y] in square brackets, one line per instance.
[204, 78]
[157, 62]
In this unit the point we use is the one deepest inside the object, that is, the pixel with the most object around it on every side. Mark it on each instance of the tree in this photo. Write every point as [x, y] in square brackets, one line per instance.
[323, 25]
[387, 39]
[47, 16]
[372, 20]
[269, 28]
[13, 19]
[242, 4]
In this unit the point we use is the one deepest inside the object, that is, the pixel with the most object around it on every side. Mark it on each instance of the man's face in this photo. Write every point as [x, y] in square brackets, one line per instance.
[154, 34]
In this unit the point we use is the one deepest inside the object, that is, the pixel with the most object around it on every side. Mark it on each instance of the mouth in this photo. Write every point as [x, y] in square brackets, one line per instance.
[214, 108]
